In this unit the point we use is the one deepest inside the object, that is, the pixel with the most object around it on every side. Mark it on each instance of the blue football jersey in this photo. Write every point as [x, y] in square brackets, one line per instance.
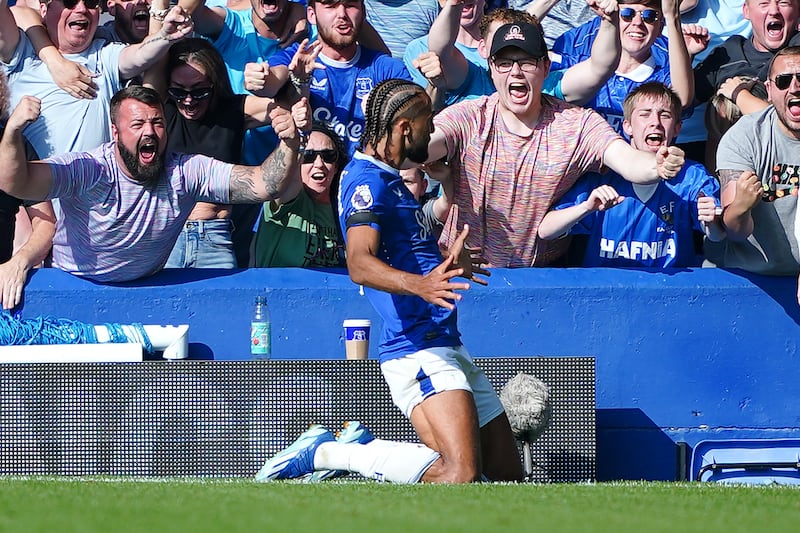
[338, 91]
[372, 193]
[576, 45]
[656, 232]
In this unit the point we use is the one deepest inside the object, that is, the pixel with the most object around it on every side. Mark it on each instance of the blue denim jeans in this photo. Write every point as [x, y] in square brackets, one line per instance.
[204, 244]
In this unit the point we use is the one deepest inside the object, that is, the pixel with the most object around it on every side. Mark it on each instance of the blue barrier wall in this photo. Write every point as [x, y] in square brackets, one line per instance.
[682, 356]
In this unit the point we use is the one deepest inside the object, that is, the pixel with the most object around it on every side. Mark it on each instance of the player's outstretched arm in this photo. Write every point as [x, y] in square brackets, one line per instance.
[365, 268]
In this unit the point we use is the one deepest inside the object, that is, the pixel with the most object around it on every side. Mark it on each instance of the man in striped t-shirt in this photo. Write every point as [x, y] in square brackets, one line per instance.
[125, 202]
[518, 151]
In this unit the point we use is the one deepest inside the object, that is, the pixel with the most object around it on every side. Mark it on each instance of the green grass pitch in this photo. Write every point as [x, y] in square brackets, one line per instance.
[121, 505]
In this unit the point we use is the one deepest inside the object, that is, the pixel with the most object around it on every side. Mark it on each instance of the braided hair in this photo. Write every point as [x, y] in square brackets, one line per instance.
[385, 102]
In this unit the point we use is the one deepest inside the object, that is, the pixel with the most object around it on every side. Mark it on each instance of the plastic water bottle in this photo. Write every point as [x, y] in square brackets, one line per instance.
[260, 330]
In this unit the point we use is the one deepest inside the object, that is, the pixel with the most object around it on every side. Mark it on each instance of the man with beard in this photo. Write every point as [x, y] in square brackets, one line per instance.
[758, 165]
[345, 71]
[68, 123]
[254, 34]
[131, 22]
[126, 201]
[460, 421]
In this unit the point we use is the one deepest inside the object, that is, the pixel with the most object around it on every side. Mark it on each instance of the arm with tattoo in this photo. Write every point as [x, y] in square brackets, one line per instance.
[740, 192]
[279, 175]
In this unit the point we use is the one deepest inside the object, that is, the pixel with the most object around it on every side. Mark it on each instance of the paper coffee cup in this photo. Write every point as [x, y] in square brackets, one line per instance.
[356, 338]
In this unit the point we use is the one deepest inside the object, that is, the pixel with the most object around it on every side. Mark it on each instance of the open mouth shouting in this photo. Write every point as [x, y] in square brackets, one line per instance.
[271, 7]
[793, 108]
[148, 150]
[318, 176]
[141, 18]
[79, 24]
[654, 140]
[775, 29]
[518, 92]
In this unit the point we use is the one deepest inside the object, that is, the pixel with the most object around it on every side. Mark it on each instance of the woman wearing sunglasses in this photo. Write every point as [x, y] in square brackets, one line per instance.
[205, 117]
[304, 231]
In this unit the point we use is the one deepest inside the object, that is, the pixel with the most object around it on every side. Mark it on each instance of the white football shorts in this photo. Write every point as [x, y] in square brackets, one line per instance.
[415, 377]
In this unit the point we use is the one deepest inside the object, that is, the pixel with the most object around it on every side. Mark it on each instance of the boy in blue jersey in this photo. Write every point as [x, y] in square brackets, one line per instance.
[450, 402]
[641, 225]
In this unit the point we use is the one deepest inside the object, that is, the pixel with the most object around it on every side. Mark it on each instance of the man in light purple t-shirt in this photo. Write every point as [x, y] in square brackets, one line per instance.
[126, 201]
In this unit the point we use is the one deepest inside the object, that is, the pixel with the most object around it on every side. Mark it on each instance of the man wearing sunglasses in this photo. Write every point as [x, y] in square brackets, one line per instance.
[126, 202]
[641, 23]
[68, 123]
[758, 165]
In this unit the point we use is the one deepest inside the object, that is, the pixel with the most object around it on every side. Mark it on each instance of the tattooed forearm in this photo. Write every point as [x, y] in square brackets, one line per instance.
[727, 176]
[274, 171]
[265, 182]
[242, 185]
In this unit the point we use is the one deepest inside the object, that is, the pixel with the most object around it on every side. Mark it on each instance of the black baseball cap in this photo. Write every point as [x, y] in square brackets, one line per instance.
[526, 37]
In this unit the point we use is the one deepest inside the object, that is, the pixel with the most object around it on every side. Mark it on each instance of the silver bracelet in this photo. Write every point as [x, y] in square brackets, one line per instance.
[299, 82]
[159, 14]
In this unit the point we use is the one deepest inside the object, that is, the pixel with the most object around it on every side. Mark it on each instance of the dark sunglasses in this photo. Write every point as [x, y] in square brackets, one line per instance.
[782, 81]
[182, 94]
[649, 16]
[329, 156]
[90, 4]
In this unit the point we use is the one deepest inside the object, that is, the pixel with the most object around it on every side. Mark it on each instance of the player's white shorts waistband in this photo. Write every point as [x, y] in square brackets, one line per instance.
[417, 376]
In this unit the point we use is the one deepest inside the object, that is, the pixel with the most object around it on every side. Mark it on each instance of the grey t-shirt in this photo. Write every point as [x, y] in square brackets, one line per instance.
[757, 143]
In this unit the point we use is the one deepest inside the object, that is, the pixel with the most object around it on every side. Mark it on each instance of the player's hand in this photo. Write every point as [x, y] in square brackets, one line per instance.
[437, 288]
[469, 260]
[669, 161]
[603, 198]
[27, 111]
[748, 191]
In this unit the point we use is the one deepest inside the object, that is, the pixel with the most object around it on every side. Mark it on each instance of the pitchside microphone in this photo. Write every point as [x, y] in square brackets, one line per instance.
[527, 403]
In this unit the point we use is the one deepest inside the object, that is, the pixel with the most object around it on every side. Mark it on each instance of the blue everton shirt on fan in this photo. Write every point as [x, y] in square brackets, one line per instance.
[575, 46]
[372, 193]
[652, 227]
[337, 91]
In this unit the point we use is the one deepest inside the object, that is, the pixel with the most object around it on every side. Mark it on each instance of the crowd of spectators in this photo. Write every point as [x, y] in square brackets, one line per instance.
[658, 133]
